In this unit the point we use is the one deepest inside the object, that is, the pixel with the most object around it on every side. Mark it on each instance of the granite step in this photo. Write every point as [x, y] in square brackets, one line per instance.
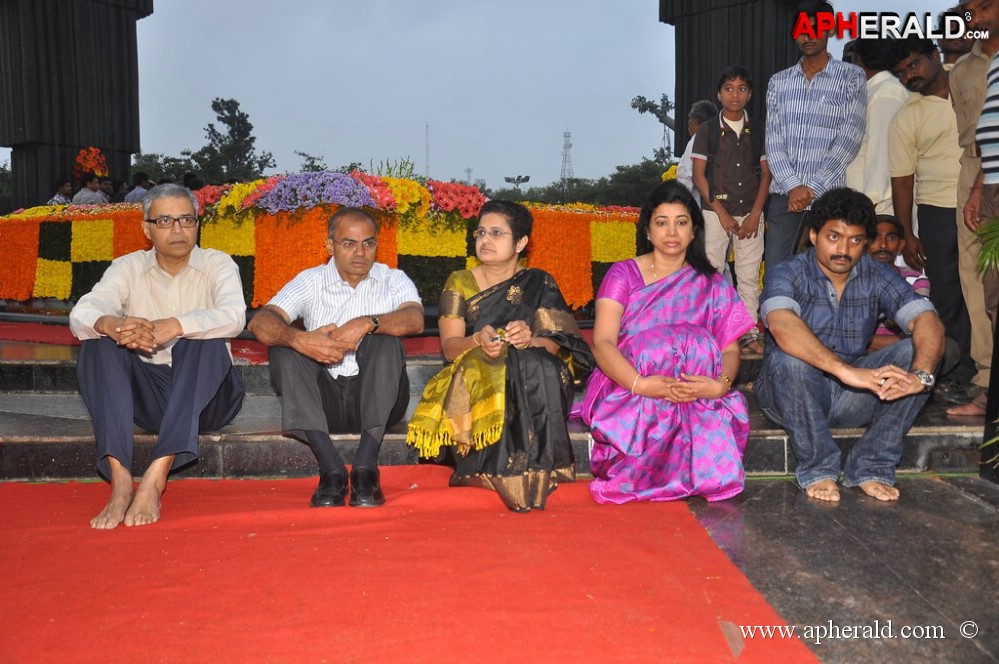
[50, 437]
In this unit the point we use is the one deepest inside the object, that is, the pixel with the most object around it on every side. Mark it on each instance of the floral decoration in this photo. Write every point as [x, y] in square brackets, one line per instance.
[90, 160]
[304, 191]
[412, 200]
[280, 222]
[611, 241]
[93, 240]
[669, 173]
[377, 188]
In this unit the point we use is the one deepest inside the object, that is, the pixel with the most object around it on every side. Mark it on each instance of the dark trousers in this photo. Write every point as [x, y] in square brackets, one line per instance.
[783, 231]
[938, 233]
[367, 403]
[201, 391]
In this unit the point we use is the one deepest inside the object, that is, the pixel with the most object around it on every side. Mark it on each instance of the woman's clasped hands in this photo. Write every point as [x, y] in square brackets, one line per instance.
[685, 389]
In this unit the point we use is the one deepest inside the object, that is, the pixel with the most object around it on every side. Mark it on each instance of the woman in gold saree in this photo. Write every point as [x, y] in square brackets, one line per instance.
[515, 354]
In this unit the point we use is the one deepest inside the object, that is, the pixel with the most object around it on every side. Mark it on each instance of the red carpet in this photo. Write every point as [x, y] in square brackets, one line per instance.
[248, 350]
[243, 571]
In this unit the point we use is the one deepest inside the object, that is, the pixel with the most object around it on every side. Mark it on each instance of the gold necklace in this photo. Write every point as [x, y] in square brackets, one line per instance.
[652, 267]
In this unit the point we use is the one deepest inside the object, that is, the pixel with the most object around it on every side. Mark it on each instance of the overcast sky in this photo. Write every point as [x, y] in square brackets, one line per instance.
[498, 83]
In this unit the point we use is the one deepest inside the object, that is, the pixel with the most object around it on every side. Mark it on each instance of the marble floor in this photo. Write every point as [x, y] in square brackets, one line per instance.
[920, 575]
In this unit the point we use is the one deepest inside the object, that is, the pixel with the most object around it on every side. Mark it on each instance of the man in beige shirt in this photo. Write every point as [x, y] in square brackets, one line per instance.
[967, 90]
[923, 158]
[155, 353]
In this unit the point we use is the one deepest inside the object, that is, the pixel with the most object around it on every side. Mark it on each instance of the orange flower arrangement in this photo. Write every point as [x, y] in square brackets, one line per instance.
[559, 246]
[285, 248]
[90, 160]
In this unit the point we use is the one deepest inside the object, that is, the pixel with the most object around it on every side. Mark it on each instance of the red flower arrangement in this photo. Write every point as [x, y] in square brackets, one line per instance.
[90, 160]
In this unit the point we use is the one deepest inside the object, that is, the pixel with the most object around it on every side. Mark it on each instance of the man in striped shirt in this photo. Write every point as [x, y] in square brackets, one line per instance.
[346, 370]
[815, 123]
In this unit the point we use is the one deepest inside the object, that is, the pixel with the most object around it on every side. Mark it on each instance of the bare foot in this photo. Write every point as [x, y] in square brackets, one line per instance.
[145, 508]
[879, 490]
[121, 497]
[114, 512]
[823, 490]
[974, 408]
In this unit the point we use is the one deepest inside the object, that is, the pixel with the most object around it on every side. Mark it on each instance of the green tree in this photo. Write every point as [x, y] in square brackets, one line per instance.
[160, 167]
[311, 163]
[230, 155]
[628, 185]
[661, 111]
[6, 189]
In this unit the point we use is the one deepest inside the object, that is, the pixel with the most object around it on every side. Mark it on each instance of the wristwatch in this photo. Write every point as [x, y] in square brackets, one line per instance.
[375, 324]
[926, 378]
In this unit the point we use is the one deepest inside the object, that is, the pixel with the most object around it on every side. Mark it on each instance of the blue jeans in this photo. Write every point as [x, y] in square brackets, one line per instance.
[808, 403]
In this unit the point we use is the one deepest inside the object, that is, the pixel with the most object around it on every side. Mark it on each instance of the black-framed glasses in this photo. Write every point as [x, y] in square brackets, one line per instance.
[166, 223]
[351, 245]
[494, 233]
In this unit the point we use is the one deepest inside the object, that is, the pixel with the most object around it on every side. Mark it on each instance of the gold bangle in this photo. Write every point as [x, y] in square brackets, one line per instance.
[635, 382]
[726, 379]
[475, 339]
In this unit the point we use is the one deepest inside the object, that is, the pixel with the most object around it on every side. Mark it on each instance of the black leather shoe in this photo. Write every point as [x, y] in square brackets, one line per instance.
[365, 491]
[331, 492]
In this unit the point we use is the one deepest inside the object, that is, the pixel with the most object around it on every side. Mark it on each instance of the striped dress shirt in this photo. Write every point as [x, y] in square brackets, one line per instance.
[814, 128]
[319, 296]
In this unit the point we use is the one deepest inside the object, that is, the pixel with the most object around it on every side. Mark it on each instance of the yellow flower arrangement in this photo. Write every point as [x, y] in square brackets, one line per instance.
[419, 241]
[669, 173]
[611, 241]
[235, 237]
[411, 198]
[53, 279]
[93, 240]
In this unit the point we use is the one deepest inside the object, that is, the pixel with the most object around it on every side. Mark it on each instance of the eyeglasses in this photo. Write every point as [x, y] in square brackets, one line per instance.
[494, 233]
[166, 223]
[351, 245]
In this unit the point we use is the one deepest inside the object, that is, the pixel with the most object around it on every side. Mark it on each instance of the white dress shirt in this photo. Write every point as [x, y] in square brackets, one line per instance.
[319, 296]
[206, 297]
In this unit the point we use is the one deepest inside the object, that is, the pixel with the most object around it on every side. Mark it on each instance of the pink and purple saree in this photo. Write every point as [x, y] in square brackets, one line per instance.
[654, 449]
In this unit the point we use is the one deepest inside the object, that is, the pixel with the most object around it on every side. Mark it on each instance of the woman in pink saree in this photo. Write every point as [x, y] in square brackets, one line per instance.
[665, 420]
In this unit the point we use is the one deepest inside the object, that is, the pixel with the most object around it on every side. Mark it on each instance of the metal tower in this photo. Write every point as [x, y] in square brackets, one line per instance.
[566, 156]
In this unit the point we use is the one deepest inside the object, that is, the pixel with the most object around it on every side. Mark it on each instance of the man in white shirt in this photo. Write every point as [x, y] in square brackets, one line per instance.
[155, 353]
[346, 370]
[868, 172]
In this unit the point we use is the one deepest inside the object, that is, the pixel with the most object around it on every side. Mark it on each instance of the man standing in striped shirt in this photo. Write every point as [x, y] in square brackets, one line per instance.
[346, 370]
[815, 123]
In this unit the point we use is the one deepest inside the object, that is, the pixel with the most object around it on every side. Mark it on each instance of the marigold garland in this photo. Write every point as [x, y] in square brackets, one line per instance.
[234, 234]
[19, 239]
[284, 249]
[388, 243]
[611, 241]
[556, 246]
[53, 279]
[93, 240]
[433, 242]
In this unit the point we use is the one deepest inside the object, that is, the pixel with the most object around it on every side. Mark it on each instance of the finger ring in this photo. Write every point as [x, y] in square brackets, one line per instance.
[883, 381]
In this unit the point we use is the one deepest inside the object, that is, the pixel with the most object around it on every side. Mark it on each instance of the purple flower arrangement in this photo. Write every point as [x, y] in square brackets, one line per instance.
[307, 190]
